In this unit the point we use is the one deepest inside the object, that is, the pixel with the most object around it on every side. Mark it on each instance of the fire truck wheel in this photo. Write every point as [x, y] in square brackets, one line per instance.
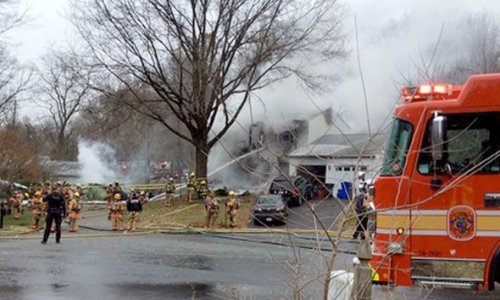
[494, 271]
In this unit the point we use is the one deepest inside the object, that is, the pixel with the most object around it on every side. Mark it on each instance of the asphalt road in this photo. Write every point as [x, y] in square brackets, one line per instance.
[185, 266]
[179, 266]
[158, 266]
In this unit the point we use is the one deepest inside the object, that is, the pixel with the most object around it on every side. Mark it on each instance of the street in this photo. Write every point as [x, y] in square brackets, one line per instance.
[176, 266]
[96, 263]
[155, 266]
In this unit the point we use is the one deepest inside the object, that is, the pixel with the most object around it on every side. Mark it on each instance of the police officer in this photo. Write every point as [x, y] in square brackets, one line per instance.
[361, 208]
[169, 191]
[56, 210]
[134, 207]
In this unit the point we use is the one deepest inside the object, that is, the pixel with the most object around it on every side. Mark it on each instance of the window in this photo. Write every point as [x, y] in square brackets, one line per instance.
[473, 142]
[397, 147]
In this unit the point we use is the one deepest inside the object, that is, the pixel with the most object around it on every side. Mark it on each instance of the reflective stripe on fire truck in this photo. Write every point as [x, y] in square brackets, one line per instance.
[434, 222]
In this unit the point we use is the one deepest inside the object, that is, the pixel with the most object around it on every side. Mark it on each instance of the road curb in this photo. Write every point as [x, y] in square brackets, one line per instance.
[183, 230]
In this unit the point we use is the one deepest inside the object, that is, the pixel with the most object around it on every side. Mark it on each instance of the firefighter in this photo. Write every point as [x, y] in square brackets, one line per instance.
[116, 213]
[134, 207]
[47, 188]
[232, 208]
[15, 202]
[74, 212]
[79, 189]
[109, 194]
[117, 189]
[67, 193]
[202, 190]
[191, 186]
[36, 209]
[39, 189]
[361, 208]
[55, 212]
[142, 197]
[170, 191]
[212, 210]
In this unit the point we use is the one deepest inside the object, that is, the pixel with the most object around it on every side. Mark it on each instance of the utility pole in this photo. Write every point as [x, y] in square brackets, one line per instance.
[362, 289]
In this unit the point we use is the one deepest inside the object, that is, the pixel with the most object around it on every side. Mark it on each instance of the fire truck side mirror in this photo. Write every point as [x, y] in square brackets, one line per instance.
[438, 137]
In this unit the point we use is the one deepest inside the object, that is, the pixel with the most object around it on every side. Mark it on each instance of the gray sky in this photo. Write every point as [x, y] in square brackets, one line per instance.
[45, 27]
[392, 34]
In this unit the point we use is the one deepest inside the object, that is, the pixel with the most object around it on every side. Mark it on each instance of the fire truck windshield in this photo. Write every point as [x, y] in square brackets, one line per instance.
[397, 147]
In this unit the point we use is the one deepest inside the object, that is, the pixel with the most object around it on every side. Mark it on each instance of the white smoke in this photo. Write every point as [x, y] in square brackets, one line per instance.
[97, 162]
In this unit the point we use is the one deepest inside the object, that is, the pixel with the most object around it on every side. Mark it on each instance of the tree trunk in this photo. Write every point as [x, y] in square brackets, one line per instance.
[201, 158]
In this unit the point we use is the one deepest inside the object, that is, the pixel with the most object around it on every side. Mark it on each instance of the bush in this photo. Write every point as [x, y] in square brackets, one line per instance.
[95, 192]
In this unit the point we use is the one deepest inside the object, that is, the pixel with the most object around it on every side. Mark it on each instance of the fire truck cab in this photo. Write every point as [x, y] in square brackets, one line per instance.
[437, 197]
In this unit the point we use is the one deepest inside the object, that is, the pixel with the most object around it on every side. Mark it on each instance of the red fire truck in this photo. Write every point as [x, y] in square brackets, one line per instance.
[437, 197]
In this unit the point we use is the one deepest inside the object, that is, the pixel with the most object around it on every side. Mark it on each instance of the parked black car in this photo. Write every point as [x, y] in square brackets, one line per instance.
[270, 208]
[294, 190]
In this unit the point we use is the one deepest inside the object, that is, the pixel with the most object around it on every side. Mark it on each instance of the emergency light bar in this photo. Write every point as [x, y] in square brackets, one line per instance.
[425, 91]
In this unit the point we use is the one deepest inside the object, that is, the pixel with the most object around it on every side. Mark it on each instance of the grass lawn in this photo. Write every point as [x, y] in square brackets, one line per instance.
[157, 214]
[25, 220]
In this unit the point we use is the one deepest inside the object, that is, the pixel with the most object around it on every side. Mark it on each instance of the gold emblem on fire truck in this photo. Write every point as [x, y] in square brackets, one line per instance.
[461, 223]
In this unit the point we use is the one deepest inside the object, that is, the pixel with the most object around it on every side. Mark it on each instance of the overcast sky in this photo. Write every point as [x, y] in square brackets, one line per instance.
[392, 33]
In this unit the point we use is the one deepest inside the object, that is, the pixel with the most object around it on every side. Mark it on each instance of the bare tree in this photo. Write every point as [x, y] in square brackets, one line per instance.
[454, 57]
[13, 78]
[17, 156]
[132, 134]
[66, 86]
[482, 47]
[202, 60]
[10, 16]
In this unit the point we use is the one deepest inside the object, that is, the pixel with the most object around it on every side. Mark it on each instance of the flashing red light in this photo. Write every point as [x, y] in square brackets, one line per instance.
[425, 91]
[441, 89]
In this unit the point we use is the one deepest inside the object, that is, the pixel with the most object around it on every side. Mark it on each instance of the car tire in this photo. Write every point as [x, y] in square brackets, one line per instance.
[257, 222]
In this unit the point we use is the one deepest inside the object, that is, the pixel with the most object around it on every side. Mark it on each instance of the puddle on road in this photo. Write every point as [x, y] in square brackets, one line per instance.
[194, 290]
[193, 262]
[57, 286]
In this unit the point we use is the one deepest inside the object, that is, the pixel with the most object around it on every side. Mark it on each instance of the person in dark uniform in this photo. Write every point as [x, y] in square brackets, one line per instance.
[361, 208]
[56, 211]
[134, 207]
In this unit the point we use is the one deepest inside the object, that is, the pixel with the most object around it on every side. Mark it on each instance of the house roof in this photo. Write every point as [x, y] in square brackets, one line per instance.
[342, 145]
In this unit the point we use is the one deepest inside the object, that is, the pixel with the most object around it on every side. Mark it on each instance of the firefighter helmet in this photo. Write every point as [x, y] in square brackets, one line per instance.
[77, 194]
[231, 193]
[203, 182]
[192, 174]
